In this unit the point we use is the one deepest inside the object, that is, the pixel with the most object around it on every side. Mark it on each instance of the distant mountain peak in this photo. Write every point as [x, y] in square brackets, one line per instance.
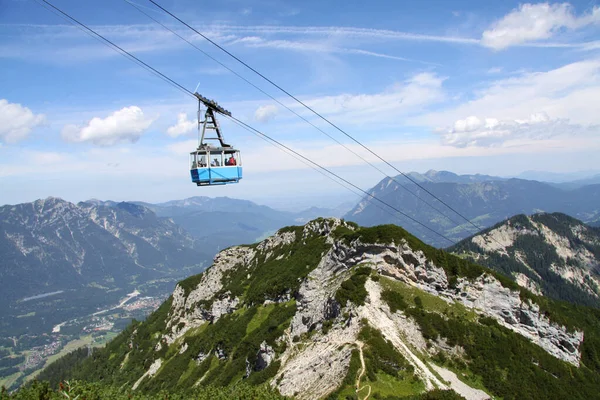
[49, 201]
[481, 198]
[133, 209]
[53, 244]
[553, 253]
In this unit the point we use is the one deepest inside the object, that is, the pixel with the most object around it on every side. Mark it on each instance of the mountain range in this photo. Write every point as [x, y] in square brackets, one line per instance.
[483, 200]
[220, 222]
[332, 310]
[64, 259]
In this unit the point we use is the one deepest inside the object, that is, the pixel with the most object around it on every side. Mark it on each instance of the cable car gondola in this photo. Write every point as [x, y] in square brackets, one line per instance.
[214, 162]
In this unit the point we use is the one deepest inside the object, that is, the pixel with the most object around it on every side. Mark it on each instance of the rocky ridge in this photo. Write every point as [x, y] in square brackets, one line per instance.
[314, 350]
[552, 254]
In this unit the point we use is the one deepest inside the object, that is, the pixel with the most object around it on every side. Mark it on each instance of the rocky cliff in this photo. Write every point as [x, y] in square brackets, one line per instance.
[550, 254]
[330, 309]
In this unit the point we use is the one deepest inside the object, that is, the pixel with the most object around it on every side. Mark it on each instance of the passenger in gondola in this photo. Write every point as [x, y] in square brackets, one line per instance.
[231, 160]
[202, 163]
[215, 163]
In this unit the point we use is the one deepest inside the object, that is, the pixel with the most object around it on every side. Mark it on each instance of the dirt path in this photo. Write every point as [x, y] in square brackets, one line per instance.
[362, 371]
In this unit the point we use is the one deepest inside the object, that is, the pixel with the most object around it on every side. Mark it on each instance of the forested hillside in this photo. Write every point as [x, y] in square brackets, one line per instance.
[552, 254]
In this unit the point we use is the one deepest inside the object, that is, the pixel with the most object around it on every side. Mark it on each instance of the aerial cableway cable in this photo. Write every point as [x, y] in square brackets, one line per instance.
[348, 187]
[250, 128]
[243, 124]
[123, 52]
[139, 8]
[318, 115]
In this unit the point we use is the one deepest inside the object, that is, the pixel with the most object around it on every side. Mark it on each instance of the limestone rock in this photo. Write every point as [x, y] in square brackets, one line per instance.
[264, 357]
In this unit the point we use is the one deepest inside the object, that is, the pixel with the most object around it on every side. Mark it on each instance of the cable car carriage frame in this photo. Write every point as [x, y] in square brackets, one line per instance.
[214, 162]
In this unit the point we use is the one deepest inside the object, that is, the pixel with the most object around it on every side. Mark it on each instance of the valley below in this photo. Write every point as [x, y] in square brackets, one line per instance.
[26, 348]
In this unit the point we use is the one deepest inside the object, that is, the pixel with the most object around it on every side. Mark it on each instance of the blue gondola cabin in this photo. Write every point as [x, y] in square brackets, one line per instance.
[214, 162]
[215, 166]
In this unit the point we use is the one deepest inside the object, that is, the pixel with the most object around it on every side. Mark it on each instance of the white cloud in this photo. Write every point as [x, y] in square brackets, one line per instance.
[16, 121]
[408, 97]
[569, 92]
[316, 47]
[345, 32]
[474, 132]
[266, 113]
[531, 22]
[183, 126]
[126, 125]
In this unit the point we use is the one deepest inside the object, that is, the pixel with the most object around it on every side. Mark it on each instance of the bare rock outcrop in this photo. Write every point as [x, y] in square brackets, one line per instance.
[489, 297]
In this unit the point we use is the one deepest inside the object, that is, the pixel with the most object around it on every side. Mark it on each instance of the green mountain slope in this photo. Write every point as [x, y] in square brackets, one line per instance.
[552, 254]
[331, 310]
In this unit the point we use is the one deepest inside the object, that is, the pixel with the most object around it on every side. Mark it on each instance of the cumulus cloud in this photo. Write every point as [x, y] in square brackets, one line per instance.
[183, 126]
[16, 121]
[490, 132]
[532, 22]
[126, 125]
[266, 113]
[568, 92]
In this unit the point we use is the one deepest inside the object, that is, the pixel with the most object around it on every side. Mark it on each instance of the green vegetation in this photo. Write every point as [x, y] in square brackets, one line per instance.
[235, 337]
[297, 229]
[400, 296]
[353, 289]
[386, 387]
[98, 391]
[539, 255]
[190, 283]
[278, 275]
[387, 373]
[261, 316]
[507, 364]
[435, 394]
[381, 356]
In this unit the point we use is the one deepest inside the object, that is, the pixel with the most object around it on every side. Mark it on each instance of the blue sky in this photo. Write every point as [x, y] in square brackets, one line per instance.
[471, 87]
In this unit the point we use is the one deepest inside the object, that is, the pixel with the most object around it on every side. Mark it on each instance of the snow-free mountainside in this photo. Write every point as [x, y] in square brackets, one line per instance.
[333, 310]
[88, 255]
[484, 200]
[551, 254]
[77, 274]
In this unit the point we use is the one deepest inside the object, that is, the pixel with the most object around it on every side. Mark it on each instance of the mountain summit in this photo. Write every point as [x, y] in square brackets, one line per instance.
[331, 310]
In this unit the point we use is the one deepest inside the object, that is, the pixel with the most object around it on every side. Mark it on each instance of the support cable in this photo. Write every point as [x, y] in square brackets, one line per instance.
[138, 7]
[243, 124]
[317, 114]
